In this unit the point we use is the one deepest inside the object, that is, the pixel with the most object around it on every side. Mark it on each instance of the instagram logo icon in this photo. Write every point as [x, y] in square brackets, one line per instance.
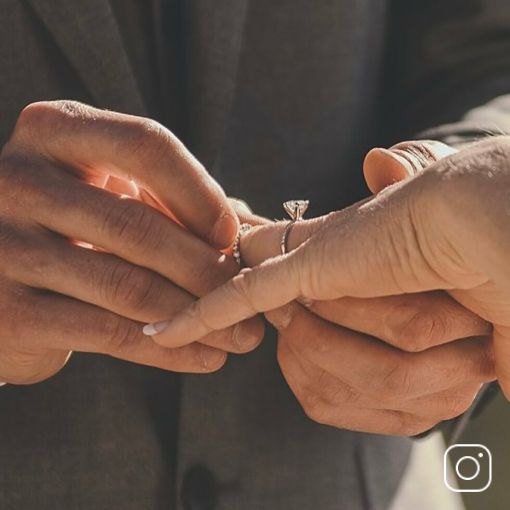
[471, 465]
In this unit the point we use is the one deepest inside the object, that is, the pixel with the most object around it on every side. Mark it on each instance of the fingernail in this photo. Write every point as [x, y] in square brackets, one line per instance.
[281, 317]
[155, 328]
[224, 231]
[211, 359]
[244, 336]
[399, 158]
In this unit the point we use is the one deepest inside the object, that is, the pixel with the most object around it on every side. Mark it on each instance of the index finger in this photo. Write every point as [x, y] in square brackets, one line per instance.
[322, 268]
[266, 287]
[100, 142]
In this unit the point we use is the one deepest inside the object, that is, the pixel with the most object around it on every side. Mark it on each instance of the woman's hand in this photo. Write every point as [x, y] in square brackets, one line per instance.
[346, 378]
[446, 228]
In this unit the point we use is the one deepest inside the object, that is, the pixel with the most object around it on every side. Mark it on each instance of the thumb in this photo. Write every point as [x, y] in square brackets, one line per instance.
[383, 167]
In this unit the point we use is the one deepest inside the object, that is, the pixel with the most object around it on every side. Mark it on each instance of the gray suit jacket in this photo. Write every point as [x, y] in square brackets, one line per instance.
[283, 98]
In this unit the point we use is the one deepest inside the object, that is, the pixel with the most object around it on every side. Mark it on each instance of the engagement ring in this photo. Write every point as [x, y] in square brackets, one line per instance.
[296, 210]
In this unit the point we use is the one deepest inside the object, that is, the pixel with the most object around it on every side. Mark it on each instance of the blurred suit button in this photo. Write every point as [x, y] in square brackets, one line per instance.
[199, 489]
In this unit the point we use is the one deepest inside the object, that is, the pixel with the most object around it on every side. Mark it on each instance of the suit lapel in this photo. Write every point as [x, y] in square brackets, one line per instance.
[88, 35]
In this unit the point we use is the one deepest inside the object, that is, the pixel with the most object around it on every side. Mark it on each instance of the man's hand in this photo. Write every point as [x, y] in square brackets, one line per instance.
[346, 376]
[444, 229]
[352, 380]
[378, 372]
[58, 295]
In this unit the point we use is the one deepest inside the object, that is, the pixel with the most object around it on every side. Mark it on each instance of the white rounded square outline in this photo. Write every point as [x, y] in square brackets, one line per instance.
[470, 445]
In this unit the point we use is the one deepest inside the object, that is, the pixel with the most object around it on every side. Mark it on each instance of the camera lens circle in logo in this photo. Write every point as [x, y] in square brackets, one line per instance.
[472, 463]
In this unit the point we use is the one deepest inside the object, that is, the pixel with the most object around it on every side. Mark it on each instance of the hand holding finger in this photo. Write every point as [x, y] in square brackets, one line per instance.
[50, 212]
[348, 380]
[64, 131]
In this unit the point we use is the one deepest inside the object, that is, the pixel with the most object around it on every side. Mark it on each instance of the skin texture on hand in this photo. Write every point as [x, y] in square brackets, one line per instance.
[73, 177]
[357, 267]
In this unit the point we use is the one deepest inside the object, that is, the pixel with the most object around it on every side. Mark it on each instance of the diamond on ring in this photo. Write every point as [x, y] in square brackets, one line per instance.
[296, 208]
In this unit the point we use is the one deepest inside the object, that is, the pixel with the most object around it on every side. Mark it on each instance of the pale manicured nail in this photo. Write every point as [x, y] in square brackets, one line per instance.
[281, 317]
[155, 328]
[224, 231]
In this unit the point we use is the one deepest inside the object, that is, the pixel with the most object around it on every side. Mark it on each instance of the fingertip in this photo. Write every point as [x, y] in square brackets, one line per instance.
[224, 231]
[381, 168]
[211, 359]
[183, 329]
[153, 328]
[247, 335]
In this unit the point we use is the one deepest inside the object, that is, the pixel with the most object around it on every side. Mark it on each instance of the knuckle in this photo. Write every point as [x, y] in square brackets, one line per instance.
[21, 176]
[410, 425]
[120, 334]
[348, 396]
[212, 273]
[146, 137]
[133, 224]
[39, 260]
[44, 115]
[27, 258]
[332, 391]
[35, 115]
[130, 287]
[396, 382]
[242, 287]
[314, 408]
[455, 406]
[418, 330]
[334, 394]
[46, 118]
